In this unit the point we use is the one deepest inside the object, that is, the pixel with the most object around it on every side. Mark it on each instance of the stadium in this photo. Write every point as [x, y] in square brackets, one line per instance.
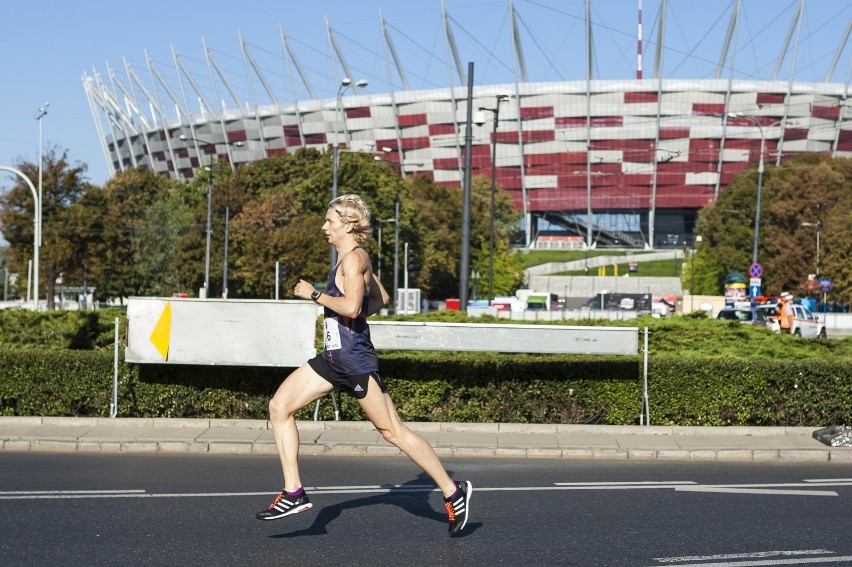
[588, 161]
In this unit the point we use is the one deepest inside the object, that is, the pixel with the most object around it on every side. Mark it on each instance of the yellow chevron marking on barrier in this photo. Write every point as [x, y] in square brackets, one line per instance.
[162, 333]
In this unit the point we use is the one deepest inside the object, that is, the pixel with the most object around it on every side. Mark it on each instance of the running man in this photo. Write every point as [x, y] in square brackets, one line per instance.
[349, 363]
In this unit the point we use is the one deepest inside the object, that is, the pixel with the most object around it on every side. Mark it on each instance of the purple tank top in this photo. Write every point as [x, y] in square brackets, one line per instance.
[355, 354]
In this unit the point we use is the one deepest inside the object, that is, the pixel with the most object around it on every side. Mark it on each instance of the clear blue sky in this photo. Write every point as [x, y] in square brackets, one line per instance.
[45, 47]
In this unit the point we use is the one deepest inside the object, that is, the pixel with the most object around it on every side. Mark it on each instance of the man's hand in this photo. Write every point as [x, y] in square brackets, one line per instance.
[303, 289]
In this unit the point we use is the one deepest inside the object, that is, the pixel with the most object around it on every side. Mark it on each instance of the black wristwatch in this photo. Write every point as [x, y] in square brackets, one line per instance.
[315, 295]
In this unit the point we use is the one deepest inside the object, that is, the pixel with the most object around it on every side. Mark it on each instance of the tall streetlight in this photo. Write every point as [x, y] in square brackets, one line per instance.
[185, 138]
[395, 221]
[40, 114]
[344, 84]
[36, 225]
[381, 223]
[225, 257]
[496, 112]
[756, 122]
[818, 226]
[399, 172]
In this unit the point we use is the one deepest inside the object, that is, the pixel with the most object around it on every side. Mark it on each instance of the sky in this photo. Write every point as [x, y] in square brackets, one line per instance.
[47, 46]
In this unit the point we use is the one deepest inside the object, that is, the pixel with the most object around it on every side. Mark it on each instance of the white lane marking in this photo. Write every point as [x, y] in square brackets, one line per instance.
[684, 486]
[376, 487]
[19, 492]
[828, 480]
[729, 490]
[637, 483]
[754, 555]
[766, 562]
[783, 484]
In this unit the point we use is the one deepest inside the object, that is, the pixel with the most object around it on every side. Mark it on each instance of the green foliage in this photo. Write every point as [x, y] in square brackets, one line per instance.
[453, 387]
[805, 189]
[701, 372]
[436, 222]
[156, 248]
[58, 330]
[673, 268]
[536, 257]
[131, 248]
[64, 186]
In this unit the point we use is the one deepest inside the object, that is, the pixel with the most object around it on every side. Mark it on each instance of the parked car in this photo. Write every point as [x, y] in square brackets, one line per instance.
[805, 324]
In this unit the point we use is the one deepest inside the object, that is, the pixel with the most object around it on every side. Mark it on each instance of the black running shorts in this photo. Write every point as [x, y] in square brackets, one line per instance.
[355, 384]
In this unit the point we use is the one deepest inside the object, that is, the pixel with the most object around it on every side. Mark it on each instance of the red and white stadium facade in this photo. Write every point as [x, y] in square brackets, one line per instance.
[644, 149]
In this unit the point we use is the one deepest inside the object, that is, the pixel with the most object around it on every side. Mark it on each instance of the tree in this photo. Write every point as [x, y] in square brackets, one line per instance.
[812, 190]
[278, 205]
[124, 255]
[434, 214]
[806, 189]
[155, 247]
[191, 250]
[507, 267]
[436, 220]
[63, 185]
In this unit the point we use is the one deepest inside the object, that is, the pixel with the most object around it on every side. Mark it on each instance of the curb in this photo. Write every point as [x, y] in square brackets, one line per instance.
[450, 440]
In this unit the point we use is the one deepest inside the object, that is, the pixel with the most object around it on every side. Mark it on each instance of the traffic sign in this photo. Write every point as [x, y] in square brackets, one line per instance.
[755, 270]
[754, 291]
[754, 282]
[825, 285]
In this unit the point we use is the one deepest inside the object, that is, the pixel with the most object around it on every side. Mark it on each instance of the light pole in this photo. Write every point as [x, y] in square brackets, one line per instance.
[36, 225]
[818, 226]
[225, 258]
[496, 112]
[395, 220]
[382, 222]
[40, 114]
[185, 138]
[756, 122]
[335, 163]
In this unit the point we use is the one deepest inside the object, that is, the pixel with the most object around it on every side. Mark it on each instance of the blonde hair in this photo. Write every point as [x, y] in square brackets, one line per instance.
[352, 209]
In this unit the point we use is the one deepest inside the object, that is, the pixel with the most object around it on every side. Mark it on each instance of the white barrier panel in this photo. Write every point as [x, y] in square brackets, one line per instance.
[220, 332]
[393, 335]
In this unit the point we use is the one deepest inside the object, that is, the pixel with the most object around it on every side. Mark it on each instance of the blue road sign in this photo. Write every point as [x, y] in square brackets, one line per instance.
[755, 270]
[754, 290]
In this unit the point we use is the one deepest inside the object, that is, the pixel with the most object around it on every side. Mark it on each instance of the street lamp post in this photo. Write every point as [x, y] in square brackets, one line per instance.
[185, 138]
[36, 225]
[382, 222]
[818, 226]
[335, 159]
[496, 112]
[225, 258]
[759, 176]
[399, 171]
[395, 221]
[40, 114]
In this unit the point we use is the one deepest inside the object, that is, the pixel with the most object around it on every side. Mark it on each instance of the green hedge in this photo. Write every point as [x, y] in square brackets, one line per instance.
[701, 372]
[456, 387]
[21, 328]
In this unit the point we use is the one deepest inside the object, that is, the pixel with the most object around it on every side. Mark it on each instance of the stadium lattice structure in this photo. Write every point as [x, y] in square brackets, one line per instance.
[612, 162]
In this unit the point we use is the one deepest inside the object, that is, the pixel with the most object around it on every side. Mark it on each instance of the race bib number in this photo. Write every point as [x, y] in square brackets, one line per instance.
[332, 334]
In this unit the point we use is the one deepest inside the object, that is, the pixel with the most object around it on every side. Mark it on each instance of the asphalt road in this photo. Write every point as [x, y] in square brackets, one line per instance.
[123, 509]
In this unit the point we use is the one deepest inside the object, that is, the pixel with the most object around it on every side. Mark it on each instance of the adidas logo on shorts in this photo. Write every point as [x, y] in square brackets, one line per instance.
[358, 388]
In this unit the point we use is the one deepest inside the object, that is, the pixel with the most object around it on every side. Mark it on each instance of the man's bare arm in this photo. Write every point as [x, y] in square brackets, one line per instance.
[378, 297]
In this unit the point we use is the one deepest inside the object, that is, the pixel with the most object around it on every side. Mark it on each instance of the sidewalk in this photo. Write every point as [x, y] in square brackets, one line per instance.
[161, 435]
